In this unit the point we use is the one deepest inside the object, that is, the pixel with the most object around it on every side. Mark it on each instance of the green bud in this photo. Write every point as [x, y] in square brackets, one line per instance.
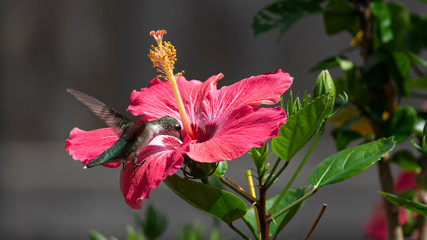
[259, 155]
[197, 170]
[290, 105]
[325, 85]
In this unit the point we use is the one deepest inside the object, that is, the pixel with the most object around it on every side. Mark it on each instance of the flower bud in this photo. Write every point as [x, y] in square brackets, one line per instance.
[325, 85]
[197, 170]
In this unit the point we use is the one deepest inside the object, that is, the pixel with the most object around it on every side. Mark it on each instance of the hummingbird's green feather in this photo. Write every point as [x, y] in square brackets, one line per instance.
[120, 150]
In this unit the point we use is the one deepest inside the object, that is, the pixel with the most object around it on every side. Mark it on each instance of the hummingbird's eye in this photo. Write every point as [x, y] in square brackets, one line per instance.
[178, 127]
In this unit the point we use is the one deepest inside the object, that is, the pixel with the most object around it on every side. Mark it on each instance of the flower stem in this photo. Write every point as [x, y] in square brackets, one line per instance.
[253, 230]
[276, 164]
[268, 184]
[313, 145]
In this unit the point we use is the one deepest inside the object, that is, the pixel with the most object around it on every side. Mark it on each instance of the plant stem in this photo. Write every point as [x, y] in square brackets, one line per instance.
[276, 164]
[307, 195]
[262, 212]
[394, 231]
[269, 183]
[313, 145]
[238, 231]
[254, 232]
[316, 222]
[238, 191]
[423, 198]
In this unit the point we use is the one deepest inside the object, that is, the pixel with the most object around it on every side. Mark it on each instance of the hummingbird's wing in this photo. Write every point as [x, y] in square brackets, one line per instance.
[111, 117]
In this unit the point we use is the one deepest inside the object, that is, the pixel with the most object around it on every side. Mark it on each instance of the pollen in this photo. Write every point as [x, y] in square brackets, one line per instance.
[163, 55]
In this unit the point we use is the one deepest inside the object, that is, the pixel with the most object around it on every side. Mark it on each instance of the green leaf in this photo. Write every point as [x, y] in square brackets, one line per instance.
[400, 17]
[349, 162]
[406, 160]
[214, 201]
[280, 222]
[339, 16]
[301, 127]
[402, 62]
[406, 203]
[415, 36]
[415, 58]
[332, 62]
[191, 232]
[400, 124]
[154, 224]
[283, 15]
[95, 235]
[221, 169]
[418, 83]
[420, 123]
[402, 65]
[343, 137]
[381, 11]
[133, 235]
[325, 64]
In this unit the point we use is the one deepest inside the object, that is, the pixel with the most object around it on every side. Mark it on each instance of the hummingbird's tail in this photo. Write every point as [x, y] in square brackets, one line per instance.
[105, 157]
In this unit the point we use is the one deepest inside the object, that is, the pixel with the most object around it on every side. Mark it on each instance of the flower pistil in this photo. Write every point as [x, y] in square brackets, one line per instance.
[164, 57]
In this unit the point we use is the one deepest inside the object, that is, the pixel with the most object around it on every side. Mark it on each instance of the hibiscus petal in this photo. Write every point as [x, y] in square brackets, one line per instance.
[163, 157]
[242, 130]
[254, 91]
[84, 146]
[154, 102]
[157, 99]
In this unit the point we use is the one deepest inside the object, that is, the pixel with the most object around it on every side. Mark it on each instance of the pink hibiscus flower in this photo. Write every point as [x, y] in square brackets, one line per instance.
[225, 122]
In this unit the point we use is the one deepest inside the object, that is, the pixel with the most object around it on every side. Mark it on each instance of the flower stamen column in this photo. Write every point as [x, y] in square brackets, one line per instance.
[163, 57]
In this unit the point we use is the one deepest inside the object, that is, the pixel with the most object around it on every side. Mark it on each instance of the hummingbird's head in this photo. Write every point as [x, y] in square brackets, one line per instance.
[170, 126]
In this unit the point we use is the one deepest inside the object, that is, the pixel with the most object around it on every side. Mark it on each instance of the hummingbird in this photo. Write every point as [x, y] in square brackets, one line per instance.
[134, 136]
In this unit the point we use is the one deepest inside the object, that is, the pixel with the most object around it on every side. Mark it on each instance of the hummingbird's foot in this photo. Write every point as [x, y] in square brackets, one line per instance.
[138, 165]
[124, 164]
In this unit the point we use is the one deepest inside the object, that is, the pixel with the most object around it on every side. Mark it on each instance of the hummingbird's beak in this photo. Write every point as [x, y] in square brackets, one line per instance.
[180, 136]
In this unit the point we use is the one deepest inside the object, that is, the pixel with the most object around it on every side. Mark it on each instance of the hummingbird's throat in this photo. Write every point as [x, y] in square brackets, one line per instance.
[164, 57]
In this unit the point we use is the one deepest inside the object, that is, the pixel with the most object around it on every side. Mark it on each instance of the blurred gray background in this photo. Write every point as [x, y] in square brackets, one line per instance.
[100, 47]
